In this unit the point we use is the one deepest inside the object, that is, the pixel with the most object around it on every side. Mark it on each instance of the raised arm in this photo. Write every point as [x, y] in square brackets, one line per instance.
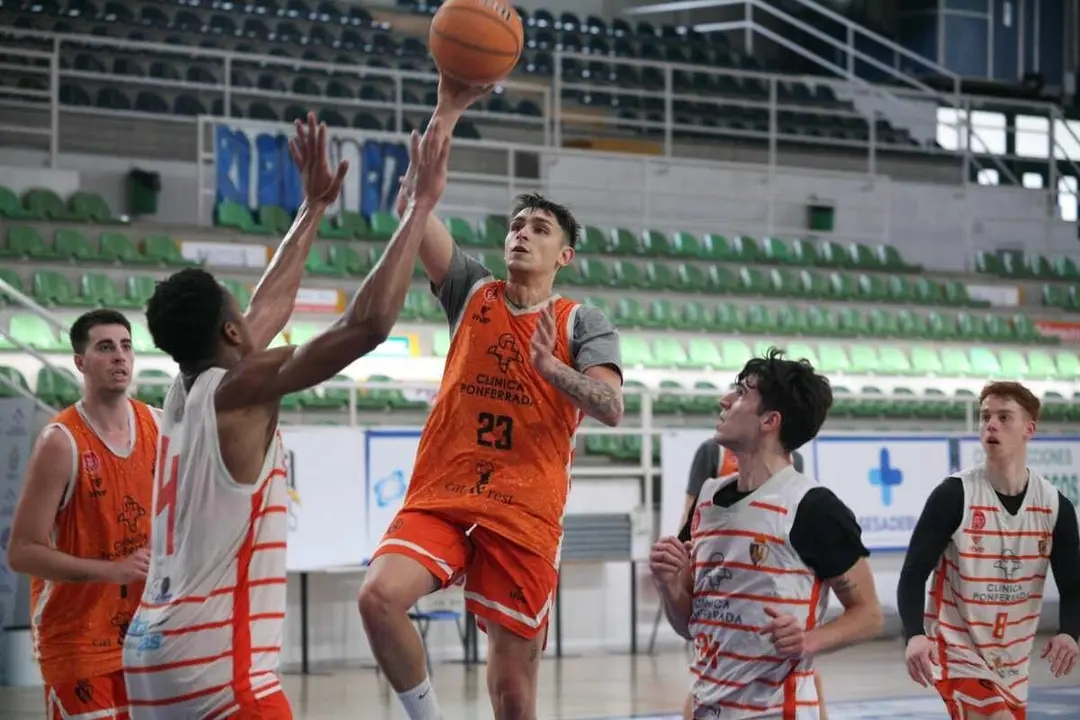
[274, 298]
[437, 248]
[265, 377]
[50, 473]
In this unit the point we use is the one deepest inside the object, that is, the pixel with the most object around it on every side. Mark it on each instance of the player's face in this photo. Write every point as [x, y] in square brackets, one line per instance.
[536, 244]
[109, 359]
[1004, 426]
[741, 424]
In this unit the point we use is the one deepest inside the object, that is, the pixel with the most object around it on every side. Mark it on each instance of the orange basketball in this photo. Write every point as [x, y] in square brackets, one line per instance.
[476, 41]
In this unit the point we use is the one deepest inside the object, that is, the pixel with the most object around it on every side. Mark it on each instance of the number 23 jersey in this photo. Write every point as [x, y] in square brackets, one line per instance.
[498, 443]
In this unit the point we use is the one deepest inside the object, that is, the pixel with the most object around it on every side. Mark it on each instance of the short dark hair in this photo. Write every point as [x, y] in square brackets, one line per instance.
[1010, 390]
[793, 389]
[185, 315]
[79, 334]
[561, 213]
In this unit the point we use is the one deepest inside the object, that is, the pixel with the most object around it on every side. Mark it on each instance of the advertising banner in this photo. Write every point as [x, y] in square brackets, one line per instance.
[1055, 458]
[16, 418]
[390, 454]
[883, 479]
[325, 467]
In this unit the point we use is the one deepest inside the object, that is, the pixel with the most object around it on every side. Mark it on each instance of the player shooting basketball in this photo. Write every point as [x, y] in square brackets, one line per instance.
[492, 472]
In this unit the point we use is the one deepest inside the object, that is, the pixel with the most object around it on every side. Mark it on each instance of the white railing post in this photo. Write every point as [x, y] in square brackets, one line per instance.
[54, 104]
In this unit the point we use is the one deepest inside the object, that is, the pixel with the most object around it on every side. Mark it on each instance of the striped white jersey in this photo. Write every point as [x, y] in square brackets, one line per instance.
[987, 591]
[207, 636]
[744, 561]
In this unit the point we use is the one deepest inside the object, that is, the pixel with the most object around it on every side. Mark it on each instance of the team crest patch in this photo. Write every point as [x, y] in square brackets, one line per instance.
[759, 552]
[1044, 546]
[696, 521]
[978, 520]
[90, 462]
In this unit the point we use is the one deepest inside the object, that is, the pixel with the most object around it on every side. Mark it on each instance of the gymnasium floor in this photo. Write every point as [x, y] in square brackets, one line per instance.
[863, 683]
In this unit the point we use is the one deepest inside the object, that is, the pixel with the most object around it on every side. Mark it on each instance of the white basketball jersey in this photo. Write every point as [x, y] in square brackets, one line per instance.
[743, 561]
[208, 633]
[987, 592]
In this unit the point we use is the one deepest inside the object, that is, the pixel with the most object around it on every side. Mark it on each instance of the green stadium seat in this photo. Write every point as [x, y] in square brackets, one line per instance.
[164, 250]
[1041, 366]
[670, 398]
[1068, 365]
[831, 254]
[702, 404]
[70, 244]
[623, 242]
[872, 404]
[117, 247]
[968, 328]
[635, 352]
[942, 328]
[882, 323]
[1058, 296]
[139, 289]
[151, 393]
[240, 291]
[800, 351]
[805, 252]
[790, 320]
[776, 251]
[759, 319]
[493, 231]
[10, 377]
[332, 229]
[843, 286]
[955, 362]
[661, 276]
[686, 245]
[354, 222]
[703, 353]
[927, 292]
[57, 387]
[228, 214]
[1040, 267]
[12, 278]
[890, 259]
[820, 321]
[52, 288]
[904, 404]
[629, 313]
[26, 242]
[911, 325]
[716, 247]
[344, 259]
[660, 314]
[934, 405]
[728, 318]
[383, 225]
[735, 354]
[336, 397]
[592, 241]
[926, 361]
[785, 283]
[462, 232]
[632, 400]
[91, 207]
[1055, 407]
[102, 290]
[141, 340]
[753, 281]
[864, 360]
[900, 289]
[12, 209]
[44, 202]
[843, 404]
[833, 359]
[747, 250]
[956, 295]
[984, 363]
[894, 361]
[655, 244]
[692, 315]
[965, 401]
[997, 329]
[669, 352]
[276, 218]
[814, 284]
[987, 263]
[316, 265]
[864, 258]
[872, 288]
[1065, 269]
[1025, 331]
[851, 322]
[1013, 364]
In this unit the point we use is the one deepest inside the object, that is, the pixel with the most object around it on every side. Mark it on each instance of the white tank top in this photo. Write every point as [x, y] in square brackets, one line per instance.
[208, 633]
[743, 561]
[987, 592]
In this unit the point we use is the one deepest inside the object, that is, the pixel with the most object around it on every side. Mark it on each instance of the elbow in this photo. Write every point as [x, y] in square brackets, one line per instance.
[875, 620]
[16, 558]
[614, 415]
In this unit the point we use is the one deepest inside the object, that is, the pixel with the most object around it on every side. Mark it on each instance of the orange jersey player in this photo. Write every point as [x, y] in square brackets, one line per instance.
[82, 525]
[491, 477]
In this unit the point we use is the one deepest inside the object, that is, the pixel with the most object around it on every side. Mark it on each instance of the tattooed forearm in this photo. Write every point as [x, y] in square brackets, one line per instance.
[595, 397]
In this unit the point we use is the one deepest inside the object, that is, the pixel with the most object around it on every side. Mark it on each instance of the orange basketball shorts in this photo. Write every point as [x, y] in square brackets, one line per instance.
[965, 695]
[95, 697]
[505, 584]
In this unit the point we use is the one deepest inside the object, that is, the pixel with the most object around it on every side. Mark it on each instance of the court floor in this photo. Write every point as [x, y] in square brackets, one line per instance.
[863, 683]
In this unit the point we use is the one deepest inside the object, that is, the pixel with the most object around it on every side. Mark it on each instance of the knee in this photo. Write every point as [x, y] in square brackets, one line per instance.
[510, 698]
[378, 600]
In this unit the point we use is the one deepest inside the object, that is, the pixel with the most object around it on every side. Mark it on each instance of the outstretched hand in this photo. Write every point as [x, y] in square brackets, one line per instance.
[308, 150]
[425, 178]
[456, 97]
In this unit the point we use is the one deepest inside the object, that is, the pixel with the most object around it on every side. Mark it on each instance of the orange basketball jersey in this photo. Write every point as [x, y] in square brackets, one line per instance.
[497, 445]
[78, 628]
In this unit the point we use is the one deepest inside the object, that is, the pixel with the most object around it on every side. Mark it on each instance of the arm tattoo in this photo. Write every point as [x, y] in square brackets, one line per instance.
[595, 397]
[843, 584]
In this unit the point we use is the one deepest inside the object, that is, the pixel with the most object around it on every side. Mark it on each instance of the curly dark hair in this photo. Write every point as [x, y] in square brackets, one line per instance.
[792, 388]
[561, 213]
[79, 334]
[185, 315]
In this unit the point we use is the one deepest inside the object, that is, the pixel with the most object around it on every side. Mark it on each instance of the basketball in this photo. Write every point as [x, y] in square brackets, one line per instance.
[476, 41]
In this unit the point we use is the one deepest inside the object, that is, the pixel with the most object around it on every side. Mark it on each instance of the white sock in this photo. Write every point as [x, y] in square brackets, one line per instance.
[420, 702]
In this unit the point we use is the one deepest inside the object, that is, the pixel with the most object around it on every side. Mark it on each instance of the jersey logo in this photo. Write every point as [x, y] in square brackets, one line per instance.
[715, 572]
[91, 463]
[759, 552]
[505, 351]
[1044, 546]
[481, 317]
[978, 520]
[1009, 564]
[131, 513]
[84, 691]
